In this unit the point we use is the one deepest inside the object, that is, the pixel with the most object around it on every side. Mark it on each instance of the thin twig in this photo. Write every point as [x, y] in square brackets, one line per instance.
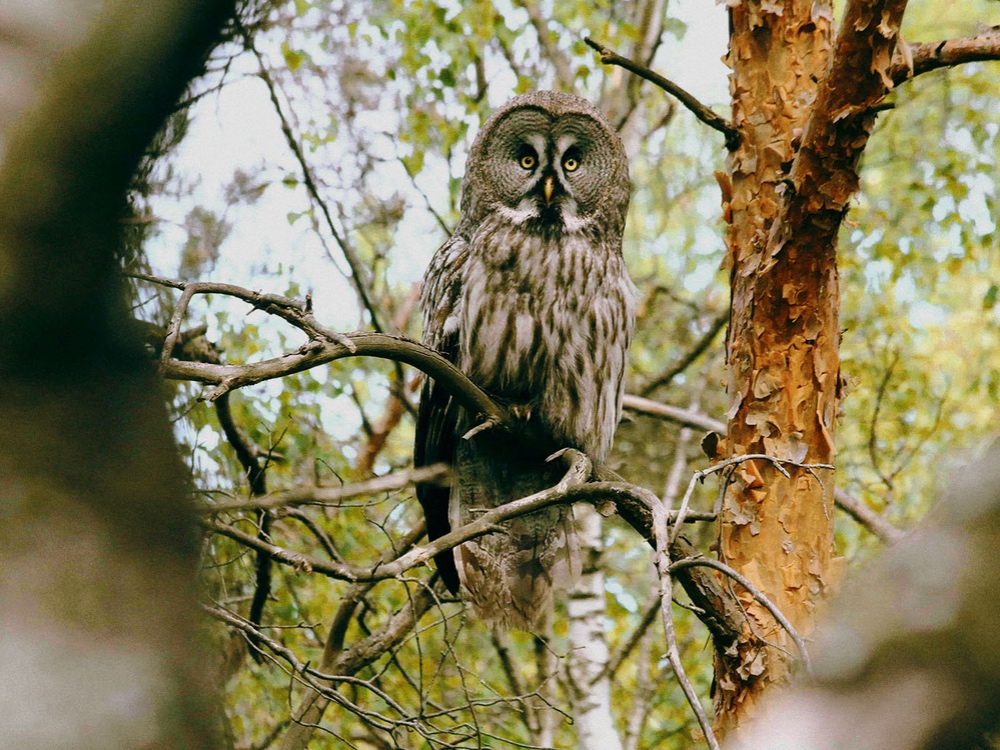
[696, 351]
[698, 476]
[703, 113]
[397, 480]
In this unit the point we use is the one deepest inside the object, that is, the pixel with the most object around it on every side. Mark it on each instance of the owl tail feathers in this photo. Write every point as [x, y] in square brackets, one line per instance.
[509, 576]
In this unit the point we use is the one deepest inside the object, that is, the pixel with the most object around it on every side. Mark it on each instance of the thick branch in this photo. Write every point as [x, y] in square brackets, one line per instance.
[924, 57]
[824, 174]
[703, 113]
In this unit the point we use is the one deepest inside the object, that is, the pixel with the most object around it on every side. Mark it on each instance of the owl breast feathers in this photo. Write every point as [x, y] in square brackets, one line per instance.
[530, 297]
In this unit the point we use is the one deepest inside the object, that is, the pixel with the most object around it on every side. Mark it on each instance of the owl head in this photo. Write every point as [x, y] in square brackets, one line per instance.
[550, 161]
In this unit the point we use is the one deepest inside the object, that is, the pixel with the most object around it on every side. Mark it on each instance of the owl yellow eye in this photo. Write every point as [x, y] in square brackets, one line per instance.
[528, 161]
[570, 164]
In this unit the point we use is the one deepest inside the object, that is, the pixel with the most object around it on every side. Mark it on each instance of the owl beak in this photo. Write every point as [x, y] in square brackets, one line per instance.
[548, 186]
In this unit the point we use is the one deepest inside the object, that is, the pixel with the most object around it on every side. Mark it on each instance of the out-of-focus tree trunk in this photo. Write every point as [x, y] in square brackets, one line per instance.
[97, 548]
[910, 659]
[802, 106]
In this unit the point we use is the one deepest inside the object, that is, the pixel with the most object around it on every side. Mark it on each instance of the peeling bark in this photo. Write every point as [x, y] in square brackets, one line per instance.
[803, 106]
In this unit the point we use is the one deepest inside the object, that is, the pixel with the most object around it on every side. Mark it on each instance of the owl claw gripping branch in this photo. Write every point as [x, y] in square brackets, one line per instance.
[530, 297]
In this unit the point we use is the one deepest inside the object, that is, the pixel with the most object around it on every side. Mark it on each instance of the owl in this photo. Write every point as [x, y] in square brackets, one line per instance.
[531, 299]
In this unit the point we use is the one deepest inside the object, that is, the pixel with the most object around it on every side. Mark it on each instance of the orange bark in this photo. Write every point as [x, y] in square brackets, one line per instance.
[802, 105]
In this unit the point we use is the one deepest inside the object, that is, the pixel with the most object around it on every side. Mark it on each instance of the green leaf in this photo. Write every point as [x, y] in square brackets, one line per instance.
[990, 299]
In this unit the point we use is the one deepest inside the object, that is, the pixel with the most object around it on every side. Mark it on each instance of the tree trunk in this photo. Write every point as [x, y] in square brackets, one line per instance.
[98, 550]
[590, 694]
[802, 106]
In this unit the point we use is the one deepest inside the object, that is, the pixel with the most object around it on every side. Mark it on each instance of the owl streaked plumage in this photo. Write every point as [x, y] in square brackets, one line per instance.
[530, 297]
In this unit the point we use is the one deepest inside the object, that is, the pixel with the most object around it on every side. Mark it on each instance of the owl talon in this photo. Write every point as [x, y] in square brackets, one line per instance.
[520, 412]
[489, 424]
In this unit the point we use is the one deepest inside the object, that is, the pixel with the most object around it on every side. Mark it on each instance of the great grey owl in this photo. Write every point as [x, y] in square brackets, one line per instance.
[530, 297]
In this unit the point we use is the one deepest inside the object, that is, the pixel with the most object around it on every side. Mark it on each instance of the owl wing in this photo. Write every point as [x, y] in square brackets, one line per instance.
[437, 416]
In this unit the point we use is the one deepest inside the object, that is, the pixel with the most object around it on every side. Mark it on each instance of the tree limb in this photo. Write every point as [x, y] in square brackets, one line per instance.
[924, 57]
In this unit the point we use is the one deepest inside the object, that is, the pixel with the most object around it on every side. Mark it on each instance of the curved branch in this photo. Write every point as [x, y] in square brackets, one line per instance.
[703, 113]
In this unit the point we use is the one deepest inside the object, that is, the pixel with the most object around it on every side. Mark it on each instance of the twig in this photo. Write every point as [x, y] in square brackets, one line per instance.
[703, 113]
[357, 269]
[698, 476]
[626, 496]
[873, 427]
[662, 560]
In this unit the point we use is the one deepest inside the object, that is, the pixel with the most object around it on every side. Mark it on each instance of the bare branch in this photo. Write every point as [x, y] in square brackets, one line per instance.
[924, 57]
[703, 113]
[662, 560]
[628, 498]
[868, 518]
[358, 277]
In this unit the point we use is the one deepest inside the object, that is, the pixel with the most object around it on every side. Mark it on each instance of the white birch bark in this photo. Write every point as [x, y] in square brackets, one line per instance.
[590, 697]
